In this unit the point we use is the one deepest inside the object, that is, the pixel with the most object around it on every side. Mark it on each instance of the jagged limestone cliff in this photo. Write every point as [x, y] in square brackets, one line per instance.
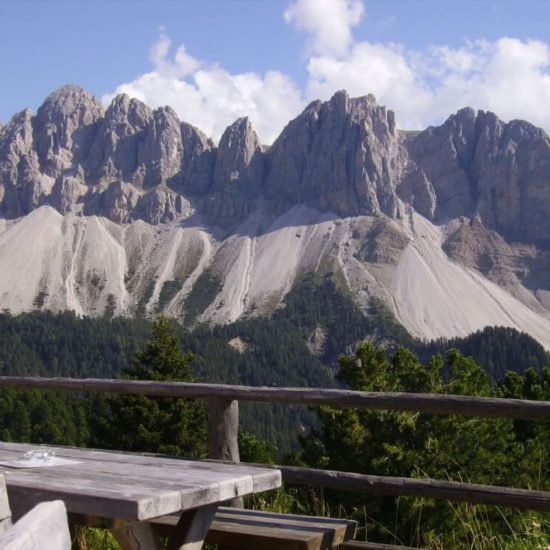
[131, 209]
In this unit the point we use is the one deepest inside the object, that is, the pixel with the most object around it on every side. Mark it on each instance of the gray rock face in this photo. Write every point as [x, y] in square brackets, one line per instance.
[161, 205]
[475, 164]
[199, 157]
[238, 175]
[78, 158]
[240, 158]
[21, 183]
[114, 153]
[64, 127]
[343, 155]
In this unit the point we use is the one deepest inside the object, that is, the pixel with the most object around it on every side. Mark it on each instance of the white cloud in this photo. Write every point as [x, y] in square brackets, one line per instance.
[328, 23]
[509, 76]
[371, 68]
[182, 65]
[211, 98]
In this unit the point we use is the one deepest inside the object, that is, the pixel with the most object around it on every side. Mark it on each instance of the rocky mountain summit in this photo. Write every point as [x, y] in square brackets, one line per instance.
[131, 210]
[345, 156]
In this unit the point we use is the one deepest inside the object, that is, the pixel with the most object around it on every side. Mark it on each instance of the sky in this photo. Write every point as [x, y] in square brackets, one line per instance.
[213, 61]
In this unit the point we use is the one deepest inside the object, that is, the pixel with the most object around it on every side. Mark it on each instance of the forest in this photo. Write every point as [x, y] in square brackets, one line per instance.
[497, 362]
[499, 452]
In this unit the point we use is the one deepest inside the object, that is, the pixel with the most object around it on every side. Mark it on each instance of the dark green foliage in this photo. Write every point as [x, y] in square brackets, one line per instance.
[110, 307]
[40, 299]
[62, 344]
[418, 445]
[205, 289]
[43, 343]
[497, 349]
[168, 291]
[42, 417]
[149, 289]
[316, 301]
[252, 449]
[487, 451]
[155, 424]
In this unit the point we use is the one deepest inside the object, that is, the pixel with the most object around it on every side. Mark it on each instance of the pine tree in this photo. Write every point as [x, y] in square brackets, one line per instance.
[156, 424]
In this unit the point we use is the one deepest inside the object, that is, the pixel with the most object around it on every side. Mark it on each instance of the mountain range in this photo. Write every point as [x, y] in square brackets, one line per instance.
[130, 211]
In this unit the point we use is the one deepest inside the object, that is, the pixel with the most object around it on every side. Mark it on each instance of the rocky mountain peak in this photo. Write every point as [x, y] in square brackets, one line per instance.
[68, 100]
[342, 155]
[239, 174]
[130, 111]
[340, 101]
[16, 157]
[17, 135]
[64, 126]
[477, 165]
[237, 149]
[160, 152]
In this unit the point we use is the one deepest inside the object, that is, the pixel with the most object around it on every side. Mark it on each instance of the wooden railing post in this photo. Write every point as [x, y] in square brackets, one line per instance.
[222, 417]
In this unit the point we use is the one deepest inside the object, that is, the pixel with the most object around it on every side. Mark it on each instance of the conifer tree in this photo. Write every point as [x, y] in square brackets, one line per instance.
[157, 424]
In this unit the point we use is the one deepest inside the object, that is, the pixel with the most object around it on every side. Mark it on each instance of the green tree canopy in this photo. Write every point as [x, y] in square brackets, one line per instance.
[412, 444]
[155, 424]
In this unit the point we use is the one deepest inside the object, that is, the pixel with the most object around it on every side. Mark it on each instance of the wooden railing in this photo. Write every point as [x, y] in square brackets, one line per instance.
[223, 421]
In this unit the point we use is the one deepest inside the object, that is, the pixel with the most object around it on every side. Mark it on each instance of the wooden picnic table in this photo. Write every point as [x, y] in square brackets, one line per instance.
[121, 491]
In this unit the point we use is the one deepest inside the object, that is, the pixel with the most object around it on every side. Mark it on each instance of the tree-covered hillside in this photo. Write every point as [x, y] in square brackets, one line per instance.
[497, 349]
[297, 346]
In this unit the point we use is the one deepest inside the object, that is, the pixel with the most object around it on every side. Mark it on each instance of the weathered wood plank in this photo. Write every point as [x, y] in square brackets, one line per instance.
[358, 545]
[430, 488]
[191, 528]
[129, 486]
[222, 481]
[136, 536]
[252, 529]
[334, 531]
[45, 526]
[5, 511]
[119, 494]
[223, 425]
[520, 409]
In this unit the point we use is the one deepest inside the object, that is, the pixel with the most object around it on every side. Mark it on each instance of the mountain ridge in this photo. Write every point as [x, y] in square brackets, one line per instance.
[131, 210]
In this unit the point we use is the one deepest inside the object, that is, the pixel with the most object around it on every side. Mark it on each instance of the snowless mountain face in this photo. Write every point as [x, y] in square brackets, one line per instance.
[129, 210]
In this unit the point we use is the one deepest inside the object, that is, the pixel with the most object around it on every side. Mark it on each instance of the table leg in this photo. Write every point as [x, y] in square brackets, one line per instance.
[136, 536]
[192, 528]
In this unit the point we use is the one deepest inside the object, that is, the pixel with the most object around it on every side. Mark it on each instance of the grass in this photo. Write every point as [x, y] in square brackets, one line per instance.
[470, 527]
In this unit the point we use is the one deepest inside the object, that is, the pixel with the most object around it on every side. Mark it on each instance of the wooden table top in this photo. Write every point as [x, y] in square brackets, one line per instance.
[128, 486]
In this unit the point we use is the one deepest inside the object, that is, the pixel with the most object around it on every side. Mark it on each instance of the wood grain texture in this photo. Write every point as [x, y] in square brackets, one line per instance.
[222, 416]
[357, 545]
[45, 526]
[5, 510]
[252, 529]
[431, 488]
[136, 536]
[520, 409]
[191, 527]
[129, 486]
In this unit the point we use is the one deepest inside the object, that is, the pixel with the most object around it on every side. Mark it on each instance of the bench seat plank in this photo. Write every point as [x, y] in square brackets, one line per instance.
[358, 545]
[251, 529]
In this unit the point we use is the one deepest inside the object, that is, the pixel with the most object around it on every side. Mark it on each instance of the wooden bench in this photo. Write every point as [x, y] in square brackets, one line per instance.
[358, 545]
[45, 526]
[235, 528]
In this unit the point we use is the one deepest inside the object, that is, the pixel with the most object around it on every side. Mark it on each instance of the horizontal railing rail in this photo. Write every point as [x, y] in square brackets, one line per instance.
[222, 418]
[492, 407]
[473, 493]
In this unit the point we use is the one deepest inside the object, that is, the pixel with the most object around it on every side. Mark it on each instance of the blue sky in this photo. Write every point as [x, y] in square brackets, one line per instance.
[215, 60]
